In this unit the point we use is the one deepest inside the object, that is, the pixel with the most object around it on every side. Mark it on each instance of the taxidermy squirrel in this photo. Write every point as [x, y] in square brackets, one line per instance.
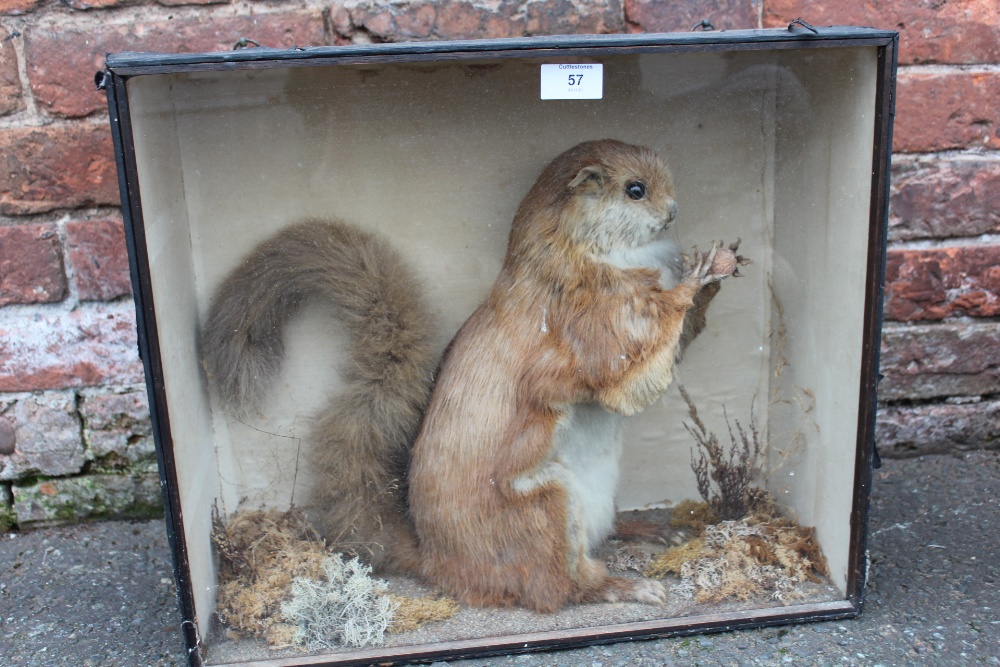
[496, 485]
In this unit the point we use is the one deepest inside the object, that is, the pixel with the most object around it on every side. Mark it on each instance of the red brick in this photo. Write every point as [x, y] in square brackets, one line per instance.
[18, 6]
[682, 15]
[383, 25]
[419, 23]
[938, 111]
[105, 4]
[497, 26]
[92, 345]
[340, 21]
[960, 31]
[938, 360]
[57, 166]
[62, 58]
[31, 268]
[561, 17]
[10, 82]
[177, 3]
[940, 283]
[47, 436]
[464, 20]
[96, 251]
[935, 197]
[97, 4]
[385, 21]
[939, 428]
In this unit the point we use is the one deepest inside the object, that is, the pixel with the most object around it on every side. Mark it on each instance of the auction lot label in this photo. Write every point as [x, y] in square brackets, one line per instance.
[573, 82]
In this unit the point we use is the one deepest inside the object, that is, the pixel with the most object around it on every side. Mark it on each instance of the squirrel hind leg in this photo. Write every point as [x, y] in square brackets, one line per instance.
[621, 589]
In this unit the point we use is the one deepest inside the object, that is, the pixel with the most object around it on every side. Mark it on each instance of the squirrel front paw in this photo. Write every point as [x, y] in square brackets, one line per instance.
[718, 263]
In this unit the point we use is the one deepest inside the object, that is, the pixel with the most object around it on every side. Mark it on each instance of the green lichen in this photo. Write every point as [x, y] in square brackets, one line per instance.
[111, 462]
[145, 510]
[8, 518]
[94, 496]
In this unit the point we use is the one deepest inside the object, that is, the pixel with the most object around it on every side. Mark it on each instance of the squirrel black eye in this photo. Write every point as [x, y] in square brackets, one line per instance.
[636, 189]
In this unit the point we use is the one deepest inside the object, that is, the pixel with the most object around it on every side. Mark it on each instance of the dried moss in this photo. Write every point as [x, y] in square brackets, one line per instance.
[255, 544]
[280, 582]
[755, 556]
[260, 553]
[282, 635]
[413, 613]
[692, 515]
[671, 561]
[630, 557]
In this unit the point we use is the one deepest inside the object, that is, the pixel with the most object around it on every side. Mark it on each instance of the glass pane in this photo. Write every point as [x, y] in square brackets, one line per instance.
[769, 147]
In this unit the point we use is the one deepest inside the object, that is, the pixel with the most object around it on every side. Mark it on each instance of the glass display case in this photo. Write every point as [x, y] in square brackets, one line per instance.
[732, 492]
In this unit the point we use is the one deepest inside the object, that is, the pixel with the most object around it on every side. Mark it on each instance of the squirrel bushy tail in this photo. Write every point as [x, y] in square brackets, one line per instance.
[362, 438]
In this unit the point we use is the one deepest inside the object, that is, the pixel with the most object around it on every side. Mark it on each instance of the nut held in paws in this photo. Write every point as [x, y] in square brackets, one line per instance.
[725, 262]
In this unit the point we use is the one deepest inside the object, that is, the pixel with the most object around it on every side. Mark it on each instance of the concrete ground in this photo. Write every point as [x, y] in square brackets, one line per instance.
[102, 594]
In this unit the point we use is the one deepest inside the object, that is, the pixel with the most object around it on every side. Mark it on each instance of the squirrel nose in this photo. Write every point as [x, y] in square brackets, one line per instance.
[671, 210]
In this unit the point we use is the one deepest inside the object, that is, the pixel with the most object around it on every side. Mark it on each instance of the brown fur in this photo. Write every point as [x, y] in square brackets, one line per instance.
[363, 437]
[490, 499]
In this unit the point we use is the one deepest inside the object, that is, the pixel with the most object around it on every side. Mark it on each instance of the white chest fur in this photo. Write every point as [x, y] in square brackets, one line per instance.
[589, 438]
[662, 254]
[589, 445]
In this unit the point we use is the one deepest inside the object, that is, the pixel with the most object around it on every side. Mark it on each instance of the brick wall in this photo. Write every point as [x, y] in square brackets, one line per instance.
[74, 428]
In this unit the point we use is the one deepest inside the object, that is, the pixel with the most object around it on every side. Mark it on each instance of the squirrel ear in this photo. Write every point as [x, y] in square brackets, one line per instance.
[587, 173]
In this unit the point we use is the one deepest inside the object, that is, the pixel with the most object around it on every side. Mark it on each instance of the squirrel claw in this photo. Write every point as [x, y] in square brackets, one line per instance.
[713, 251]
[720, 262]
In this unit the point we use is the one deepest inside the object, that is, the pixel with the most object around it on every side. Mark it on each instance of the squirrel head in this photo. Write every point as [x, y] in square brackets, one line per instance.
[597, 198]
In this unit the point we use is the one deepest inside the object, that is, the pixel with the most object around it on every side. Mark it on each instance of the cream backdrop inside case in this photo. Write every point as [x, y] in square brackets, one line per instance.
[763, 146]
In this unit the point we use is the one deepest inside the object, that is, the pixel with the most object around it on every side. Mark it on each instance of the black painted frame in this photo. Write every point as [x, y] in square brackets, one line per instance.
[123, 66]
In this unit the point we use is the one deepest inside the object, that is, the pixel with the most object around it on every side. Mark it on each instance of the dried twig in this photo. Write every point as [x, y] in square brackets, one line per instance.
[724, 475]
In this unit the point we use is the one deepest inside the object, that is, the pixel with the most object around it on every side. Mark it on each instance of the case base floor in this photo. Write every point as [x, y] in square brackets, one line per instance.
[472, 622]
